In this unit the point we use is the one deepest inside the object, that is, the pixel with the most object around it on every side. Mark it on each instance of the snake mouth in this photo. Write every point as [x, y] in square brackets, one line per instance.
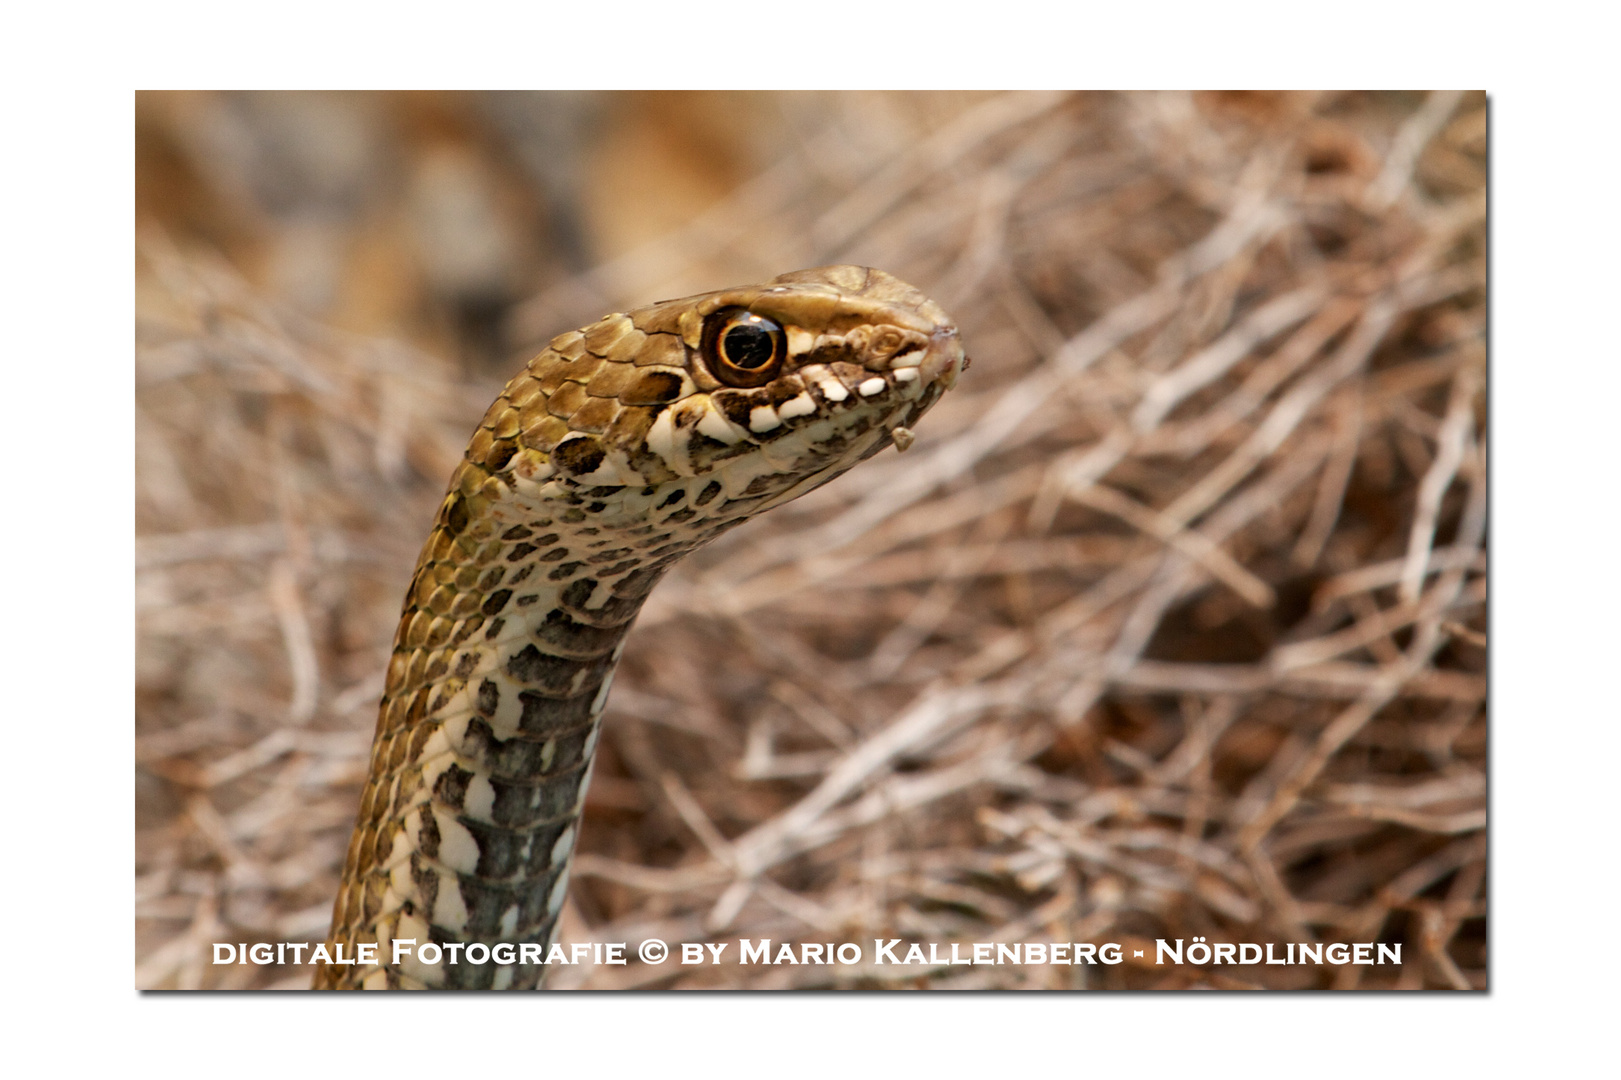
[944, 360]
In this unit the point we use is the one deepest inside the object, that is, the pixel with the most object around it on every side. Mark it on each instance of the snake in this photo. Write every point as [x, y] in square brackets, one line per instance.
[621, 448]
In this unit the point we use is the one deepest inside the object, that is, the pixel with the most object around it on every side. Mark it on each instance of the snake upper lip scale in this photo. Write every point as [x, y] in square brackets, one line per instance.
[620, 448]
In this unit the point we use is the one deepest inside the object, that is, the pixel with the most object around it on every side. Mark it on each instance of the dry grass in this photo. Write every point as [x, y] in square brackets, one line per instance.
[1170, 624]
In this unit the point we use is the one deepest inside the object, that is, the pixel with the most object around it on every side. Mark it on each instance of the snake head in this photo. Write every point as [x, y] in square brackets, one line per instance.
[760, 393]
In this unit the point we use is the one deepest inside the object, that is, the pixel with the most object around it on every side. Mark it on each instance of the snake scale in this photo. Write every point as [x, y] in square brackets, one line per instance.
[622, 447]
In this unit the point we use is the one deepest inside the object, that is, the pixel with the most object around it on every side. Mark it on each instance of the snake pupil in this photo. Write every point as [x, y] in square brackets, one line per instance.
[742, 348]
[748, 346]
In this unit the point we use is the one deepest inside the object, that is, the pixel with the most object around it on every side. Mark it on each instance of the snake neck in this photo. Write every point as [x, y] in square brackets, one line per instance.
[486, 737]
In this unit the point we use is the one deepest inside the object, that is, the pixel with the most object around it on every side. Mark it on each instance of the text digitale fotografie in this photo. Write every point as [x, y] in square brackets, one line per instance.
[1196, 952]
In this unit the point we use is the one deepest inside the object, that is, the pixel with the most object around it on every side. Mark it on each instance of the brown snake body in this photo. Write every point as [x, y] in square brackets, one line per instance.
[620, 448]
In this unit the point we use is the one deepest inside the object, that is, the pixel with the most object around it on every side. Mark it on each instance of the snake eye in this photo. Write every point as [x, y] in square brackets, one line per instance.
[742, 348]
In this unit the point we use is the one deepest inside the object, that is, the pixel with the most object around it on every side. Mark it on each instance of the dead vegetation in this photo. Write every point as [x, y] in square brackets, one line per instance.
[1172, 622]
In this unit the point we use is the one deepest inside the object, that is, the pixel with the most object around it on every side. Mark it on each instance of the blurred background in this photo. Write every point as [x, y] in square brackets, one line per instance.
[1171, 623]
